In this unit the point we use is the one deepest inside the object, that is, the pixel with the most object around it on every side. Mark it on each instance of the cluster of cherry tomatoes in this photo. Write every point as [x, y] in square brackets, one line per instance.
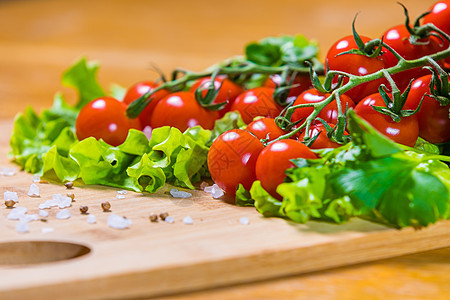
[240, 157]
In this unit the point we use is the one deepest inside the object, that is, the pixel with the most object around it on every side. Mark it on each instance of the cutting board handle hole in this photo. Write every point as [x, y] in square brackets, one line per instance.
[38, 252]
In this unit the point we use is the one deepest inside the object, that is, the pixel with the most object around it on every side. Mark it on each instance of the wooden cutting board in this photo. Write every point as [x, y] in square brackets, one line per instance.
[78, 260]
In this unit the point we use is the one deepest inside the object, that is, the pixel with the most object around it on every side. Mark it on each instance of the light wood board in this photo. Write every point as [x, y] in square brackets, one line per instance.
[151, 259]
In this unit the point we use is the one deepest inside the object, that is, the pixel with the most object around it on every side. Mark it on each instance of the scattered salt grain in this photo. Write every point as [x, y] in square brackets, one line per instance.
[57, 200]
[179, 194]
[148, 132]
[244, 221]
[203, 185]
[63, 214]
[169, 219]
[120, 196]
[47, 229]
[91, 219]
[36, 178]
[29, 218]
[22, 227]
[214, 190]
[43, 213]
[34, 190]
[7, 171]
[17, 213]
[118, 222]
[122, 192]
[188, 220]
[10, 196]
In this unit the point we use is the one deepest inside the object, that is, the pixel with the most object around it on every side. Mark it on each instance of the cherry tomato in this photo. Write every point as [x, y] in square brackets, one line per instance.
[275, 159]
[105, 118]
[232, 159]
[264, 128]
[228, 90]
[329, 113]
[398, 38]
[440, 16]
[182, 111]
[301, 82]
[404, 132]
[357, 65]
[434, 120]
[139, 89]
[322, 140]
[256, 102]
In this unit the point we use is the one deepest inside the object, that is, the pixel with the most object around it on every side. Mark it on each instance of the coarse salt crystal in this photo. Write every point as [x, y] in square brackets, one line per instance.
[120, 196]
[122, 192]
[63, 214]
[214, 190]
[91, 219]
[34, 190]
[244, 221]
[17, 212]
[43, 213]
[22, 227]
[169, 219]
[118, 222]
[36, 178]
[148, 132]
[64, 202]
[179, 194]
[28, 218]
[188, 220]
[10, 196]
[47, 229]
[203, 185]
[7, 171]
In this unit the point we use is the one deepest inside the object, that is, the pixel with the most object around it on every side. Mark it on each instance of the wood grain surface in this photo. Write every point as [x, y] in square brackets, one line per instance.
[39, 39]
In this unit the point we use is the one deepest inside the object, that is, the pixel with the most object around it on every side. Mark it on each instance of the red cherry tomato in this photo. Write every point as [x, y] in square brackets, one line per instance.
[275, 159]
[322, 140]
[440, 16]
[105, 118]
[182, 111]
[329, 113]
[398, 38]
[434, 120]
[256, 102]
[228, 90]
[301, 82]
[264, 128]
[357, 65]
[232, 159]
[139, 89]
[404, 132]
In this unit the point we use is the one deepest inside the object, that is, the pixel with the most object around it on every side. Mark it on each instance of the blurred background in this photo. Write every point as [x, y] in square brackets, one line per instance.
[40, 39]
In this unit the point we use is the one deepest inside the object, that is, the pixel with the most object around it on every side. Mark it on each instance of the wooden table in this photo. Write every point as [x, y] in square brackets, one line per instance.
[39, 39]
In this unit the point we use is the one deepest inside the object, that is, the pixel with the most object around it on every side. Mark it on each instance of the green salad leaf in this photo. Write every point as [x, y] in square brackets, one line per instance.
[371, 178]
[283, 50]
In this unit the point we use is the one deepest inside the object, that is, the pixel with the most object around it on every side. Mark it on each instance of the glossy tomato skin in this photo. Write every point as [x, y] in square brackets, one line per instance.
[256, 102]
[228, 90]
[322, 140]
[274, 160]
[440, 16]
[434, 120]
[329, 113]
[139, 89]
[398, 38]
[301, 82]
[182, 111]
[404, 132]
[232, 159]
[264, 128]
[105, 118]
[357, 65]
